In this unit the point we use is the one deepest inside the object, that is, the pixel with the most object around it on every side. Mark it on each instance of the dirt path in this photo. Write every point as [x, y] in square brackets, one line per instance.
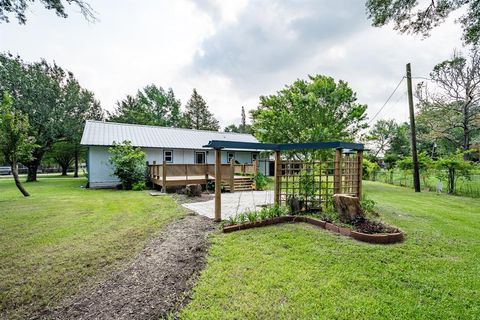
[154, 285]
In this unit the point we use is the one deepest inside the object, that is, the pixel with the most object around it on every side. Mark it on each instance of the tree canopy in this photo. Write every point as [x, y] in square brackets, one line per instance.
[15, 142]
[420, 17]
[197, 116]
[243, 127]
[450, 108]
[17, 8]
[151, 106]
[52, 99]
[317, 109]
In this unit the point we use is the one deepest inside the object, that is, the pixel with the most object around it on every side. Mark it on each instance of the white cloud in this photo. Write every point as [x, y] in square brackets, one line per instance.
[231, 51]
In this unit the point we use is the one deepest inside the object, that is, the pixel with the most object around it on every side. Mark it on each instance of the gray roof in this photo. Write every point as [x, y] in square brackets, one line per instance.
[98, 133]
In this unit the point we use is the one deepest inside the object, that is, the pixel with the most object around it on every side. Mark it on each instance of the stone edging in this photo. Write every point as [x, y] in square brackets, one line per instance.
[383, 238]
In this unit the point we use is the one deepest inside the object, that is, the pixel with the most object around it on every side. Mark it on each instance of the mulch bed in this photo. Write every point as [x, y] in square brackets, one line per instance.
[391, 235]
[155, 285]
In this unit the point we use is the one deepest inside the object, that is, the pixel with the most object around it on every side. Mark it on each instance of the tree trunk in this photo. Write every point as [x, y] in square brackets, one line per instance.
[17, 179]
[64, 170]
[75, 174]
[32, 172]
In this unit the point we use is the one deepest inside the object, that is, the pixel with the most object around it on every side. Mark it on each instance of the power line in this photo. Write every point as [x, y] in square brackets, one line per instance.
[390, 97]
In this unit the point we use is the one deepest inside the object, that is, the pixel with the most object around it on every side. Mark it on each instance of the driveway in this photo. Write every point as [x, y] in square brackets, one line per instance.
[233, 203]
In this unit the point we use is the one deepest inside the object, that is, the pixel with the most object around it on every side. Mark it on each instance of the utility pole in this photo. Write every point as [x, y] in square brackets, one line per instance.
[413, 130]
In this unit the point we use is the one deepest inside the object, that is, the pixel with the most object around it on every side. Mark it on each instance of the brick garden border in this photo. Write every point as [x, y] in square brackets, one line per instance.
[380, 238]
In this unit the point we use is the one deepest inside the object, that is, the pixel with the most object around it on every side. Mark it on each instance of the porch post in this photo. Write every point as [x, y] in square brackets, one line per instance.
[232, 174]
[276, 193]
[218, 185]
[164, 177]
[360, 172]
[337, 175]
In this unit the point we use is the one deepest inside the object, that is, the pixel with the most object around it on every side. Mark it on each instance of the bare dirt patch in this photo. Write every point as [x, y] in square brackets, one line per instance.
[156, 284]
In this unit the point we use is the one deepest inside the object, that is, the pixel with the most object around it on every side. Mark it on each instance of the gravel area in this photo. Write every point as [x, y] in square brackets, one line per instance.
[232, 203]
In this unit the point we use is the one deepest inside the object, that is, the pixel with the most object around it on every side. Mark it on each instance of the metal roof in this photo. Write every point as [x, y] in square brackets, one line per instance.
[98, 133]
[216, 144]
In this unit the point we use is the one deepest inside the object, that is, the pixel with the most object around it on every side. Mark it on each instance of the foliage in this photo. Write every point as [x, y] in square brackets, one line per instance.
[52, 99]
[382, 135]
[283, 264]
[370, 169]
[62, 153]
[139, 186]
[151, 106]
[243, 127]
[15, 143]
[18, 8]
[128, 164]
[42, 260]
[197, 116]
[367, 204]
[454, 167]
[411, 17]
[306, 183]
[317, 109]
[260, 181]
[451, 111]
[252, 216]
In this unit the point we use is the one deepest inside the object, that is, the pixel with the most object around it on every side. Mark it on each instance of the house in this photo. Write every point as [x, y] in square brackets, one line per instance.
[172, 145]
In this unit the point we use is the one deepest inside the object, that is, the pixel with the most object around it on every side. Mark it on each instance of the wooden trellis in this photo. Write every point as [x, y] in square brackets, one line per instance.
[314, 182]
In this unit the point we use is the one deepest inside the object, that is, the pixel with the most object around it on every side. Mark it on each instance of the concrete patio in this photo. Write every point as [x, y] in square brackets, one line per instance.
[233, 203]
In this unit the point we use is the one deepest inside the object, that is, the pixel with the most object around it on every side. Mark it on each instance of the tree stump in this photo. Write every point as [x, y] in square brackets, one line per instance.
[193, 190]
[347, 207]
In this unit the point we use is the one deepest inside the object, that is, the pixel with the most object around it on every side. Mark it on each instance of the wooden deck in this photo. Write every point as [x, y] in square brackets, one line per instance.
[174, 175]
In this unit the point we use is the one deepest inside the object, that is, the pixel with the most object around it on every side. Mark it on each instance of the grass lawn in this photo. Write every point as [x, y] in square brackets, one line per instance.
[298, 271]
[64, 235]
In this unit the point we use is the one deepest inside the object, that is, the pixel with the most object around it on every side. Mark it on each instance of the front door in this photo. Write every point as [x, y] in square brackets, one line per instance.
[200, 157]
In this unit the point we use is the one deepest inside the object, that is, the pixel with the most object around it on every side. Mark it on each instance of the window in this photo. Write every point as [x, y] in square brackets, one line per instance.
[230, 156]
[168, 156]
[199, 157]
[254, 156]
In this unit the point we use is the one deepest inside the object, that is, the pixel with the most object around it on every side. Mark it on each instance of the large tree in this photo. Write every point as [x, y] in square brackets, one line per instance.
[197, 116]
[451, 109]
[420, 17]
[243, 127]
[317, 109]
[55, 104]
[15, 143]
[381, 136]
[17, 8]
[151, 106]
[79, 105]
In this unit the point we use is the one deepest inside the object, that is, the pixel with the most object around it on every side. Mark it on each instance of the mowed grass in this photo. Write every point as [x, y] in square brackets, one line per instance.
[64, 236]
[298, 271]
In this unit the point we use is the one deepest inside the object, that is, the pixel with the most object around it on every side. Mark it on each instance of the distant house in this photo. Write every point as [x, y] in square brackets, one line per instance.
[176, 146]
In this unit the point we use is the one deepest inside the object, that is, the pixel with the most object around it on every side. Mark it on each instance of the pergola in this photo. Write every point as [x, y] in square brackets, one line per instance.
[350, 172]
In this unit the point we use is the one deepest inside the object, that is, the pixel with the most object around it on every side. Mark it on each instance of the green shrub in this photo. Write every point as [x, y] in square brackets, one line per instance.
[139, 186]
[252, 216]
[129, 164]
[260, 181]
[367, 204]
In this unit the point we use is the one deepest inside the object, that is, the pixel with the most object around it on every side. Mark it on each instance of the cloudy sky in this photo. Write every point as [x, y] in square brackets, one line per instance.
[231, 51]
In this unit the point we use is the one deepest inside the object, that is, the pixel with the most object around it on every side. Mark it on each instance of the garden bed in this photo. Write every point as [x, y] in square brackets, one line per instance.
[393, 236]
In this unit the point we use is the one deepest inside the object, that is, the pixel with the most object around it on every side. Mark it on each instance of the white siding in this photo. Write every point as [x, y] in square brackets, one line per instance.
[100, 170]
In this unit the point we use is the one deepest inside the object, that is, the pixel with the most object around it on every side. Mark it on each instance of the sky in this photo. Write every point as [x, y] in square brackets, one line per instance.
[231, 51]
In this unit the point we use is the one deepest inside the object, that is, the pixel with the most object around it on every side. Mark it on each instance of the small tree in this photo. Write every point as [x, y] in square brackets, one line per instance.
[63, 153]
[129, 165]
[197, 116]
[14, 140]
[453, 167]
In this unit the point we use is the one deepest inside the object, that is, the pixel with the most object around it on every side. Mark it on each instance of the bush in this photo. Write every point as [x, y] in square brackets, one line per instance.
[260, 181]
[139, 186]
[129, 164]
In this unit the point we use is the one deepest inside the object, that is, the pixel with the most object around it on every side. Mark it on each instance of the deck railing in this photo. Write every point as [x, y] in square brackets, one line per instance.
[165, 173]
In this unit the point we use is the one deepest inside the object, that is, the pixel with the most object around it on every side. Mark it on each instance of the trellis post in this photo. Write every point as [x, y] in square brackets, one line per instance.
[360, 172]
[218, 185]
[337, 172]
[276, 194]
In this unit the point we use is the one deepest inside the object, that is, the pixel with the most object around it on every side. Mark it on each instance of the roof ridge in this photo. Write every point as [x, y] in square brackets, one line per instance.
[165, 127]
